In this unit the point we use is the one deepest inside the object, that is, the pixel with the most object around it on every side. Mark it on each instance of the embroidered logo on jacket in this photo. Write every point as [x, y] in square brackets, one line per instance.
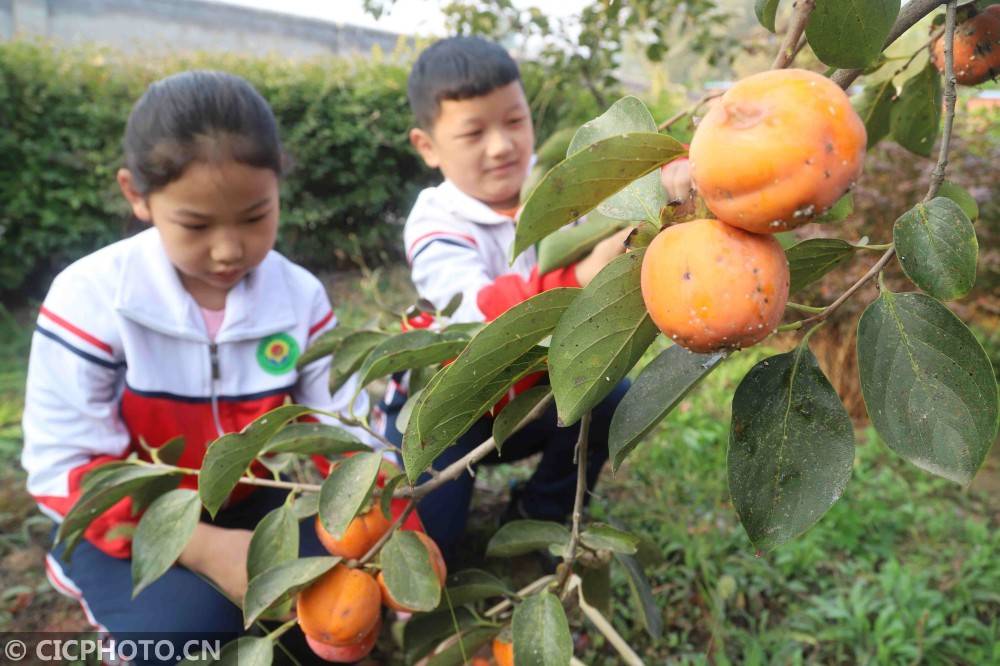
[277, 353]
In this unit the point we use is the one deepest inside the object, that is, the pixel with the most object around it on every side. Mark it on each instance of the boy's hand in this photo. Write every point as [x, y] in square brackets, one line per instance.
[221, 556]
[676, 179]
[600, 256]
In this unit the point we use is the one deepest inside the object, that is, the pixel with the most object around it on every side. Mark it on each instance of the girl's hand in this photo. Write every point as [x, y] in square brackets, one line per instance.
[676, 179]
[600, 256]
[221, 556]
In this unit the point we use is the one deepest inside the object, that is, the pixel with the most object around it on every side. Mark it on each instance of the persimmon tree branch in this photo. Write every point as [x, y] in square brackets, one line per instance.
[909, 15]
[796, 26]
[707, 97]
[460, 466]
[582, 443]
[937, 176]
[605, 627]
[377, 546]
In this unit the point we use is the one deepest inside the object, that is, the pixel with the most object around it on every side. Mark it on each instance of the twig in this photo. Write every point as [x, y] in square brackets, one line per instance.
[457, 468]
[581, 489]
[530, 588]
[707, 97]
[911, 13]
[628, 654]
[797, 25]
[872, 272]
[937, 176]
[388, 533]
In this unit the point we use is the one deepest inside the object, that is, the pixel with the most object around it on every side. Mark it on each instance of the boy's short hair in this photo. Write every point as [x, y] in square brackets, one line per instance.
[456, 68]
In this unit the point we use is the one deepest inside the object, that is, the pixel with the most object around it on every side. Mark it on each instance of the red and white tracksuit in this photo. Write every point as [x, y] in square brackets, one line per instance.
[121, 352]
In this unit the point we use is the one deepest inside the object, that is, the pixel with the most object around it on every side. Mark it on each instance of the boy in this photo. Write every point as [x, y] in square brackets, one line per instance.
[474, 124]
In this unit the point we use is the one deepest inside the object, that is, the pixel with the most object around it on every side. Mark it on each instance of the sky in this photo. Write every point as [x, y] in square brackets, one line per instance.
[407, 16]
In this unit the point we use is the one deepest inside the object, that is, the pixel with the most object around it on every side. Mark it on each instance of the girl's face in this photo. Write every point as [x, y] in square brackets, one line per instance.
[217, 222]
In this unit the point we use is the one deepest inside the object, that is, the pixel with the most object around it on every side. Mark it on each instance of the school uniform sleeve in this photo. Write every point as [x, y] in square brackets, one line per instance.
[71, 422]
[313, 386]
[445, 261]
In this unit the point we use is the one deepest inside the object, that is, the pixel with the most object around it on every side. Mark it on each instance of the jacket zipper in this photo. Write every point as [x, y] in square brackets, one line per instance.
[213, 356]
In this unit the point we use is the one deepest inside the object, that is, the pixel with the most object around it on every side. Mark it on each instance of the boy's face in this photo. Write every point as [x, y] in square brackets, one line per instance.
[482, 144]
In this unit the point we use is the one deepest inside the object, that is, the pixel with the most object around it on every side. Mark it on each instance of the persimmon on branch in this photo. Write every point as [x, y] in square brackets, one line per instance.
[937, 175]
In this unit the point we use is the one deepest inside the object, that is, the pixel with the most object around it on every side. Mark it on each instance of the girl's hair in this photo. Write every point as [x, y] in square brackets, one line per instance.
[199, 116]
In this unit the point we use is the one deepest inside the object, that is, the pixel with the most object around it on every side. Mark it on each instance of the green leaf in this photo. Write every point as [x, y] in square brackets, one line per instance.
[144, 495]
[344, 492]
[604, 537]
[554, 148]
[326, 344]
[811, 259]
[602, 335]
[916, 115]
[305, 505]
[228, 457]
[470, 585]
[424, 631]
[310, 438]
[642, 594]
[453, 304]
[928, 384]
[162, 534]
[642, 198]
[105, 491]
[573, 243]
[964, 200]
[595, 583]
[578, 184]
[524, 536]
[385, 499]
[515, 411]
[351, 354]
[275, 540]
[408, 572]
[850, 34]
[247, 651]
[281, 582]
[499, 355]
[874, 106]
[541, 632]
[411, 349]
[937, 248]
[658, 389]
[170, 451]
[840, 210]
[471, 640]
[406, 411]
[766, 11]
[791, 447]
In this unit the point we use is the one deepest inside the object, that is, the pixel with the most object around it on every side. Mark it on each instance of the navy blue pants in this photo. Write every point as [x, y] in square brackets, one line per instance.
[180, 603]
[548, 494]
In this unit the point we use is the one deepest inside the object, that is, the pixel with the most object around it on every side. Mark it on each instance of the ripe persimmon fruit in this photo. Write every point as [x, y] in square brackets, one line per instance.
[776, 150]
[346, 654]
[977, 48]
[437, 563]
[361, 534]
[711, 286]
[503, 651]
[340, 608]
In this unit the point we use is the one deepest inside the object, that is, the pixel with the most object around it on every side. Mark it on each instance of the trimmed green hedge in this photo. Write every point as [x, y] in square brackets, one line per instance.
[343, 121]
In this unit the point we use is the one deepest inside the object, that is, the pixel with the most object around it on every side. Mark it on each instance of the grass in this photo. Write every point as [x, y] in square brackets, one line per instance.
[904, 569]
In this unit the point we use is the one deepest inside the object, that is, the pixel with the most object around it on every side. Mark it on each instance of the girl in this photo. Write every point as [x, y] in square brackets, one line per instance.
[189, 328]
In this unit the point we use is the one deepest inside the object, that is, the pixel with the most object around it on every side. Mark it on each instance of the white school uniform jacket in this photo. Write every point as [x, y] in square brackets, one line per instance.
[455, 243]
[121, 352]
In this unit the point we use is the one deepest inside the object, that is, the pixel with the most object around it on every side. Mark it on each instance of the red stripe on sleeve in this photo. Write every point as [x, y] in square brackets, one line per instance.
[446, 234]
[320, 324]
[80, 333]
